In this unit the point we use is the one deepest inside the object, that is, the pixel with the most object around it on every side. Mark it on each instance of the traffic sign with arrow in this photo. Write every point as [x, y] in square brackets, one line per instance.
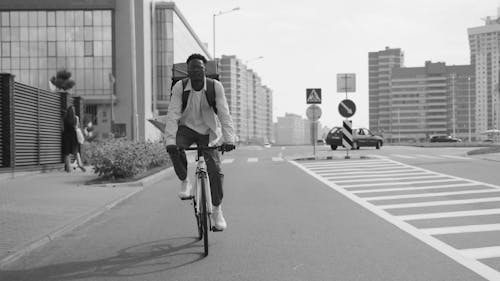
[347, 108]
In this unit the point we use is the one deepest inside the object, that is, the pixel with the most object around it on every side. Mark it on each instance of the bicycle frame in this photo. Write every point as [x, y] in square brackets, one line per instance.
[202, 174]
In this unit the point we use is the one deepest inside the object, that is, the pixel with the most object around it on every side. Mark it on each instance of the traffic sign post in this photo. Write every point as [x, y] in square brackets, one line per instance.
[346, 82]
[313, 113]
[347, 136]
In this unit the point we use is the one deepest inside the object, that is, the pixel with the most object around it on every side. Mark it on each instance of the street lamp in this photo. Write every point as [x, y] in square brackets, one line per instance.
[218, 14]
[468, 114]
[253, 59]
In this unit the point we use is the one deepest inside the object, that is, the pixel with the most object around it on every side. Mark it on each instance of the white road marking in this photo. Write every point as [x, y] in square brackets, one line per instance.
[413, 188]
[462, 229]
[482, 253]
[482, 212]
[386, 178]
[456, 157]
[427, 156]
[357, 175]
[368, 172]
[463, 257]
[277, 159]
[395, 183]
[227, 161]
[403, 156]
[252, 159]
[439, 203]
[433, 194]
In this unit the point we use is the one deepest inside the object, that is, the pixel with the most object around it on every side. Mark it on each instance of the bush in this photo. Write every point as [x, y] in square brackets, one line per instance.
[119, 158]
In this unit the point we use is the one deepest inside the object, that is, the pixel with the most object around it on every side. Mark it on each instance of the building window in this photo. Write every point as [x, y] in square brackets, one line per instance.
[88, 48]
[90, 113]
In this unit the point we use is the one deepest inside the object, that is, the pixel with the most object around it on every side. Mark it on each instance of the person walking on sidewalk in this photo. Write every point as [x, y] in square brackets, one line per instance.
[198, 122]
[70, 140]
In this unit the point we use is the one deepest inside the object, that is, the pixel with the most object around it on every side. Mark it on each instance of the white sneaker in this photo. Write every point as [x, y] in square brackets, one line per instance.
[185, 192]
[218, 219]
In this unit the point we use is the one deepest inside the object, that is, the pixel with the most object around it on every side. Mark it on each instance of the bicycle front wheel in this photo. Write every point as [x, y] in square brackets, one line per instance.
[204, 215]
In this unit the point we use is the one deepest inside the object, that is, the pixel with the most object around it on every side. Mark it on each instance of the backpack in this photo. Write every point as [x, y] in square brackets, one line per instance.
[210, 93]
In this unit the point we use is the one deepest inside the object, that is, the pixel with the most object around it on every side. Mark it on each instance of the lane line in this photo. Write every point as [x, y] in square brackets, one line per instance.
[456, 157]
[403, 156]
[277, 159]
[252, 159]
[363, 169]
[465, 260]
[227, 161]
[433, 194]
[471, 213]
[462, 229]
[427, 156]
[366, 172]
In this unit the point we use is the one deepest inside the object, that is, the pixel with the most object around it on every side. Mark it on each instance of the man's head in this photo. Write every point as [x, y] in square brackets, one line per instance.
[196, 67]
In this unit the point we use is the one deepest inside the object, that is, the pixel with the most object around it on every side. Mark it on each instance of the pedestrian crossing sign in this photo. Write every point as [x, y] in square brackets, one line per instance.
[313, 96]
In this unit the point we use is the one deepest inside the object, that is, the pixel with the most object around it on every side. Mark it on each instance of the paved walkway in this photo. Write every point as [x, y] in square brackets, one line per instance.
[38, 207]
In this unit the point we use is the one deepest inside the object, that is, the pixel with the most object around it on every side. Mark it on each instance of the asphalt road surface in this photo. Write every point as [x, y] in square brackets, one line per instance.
[303, 220]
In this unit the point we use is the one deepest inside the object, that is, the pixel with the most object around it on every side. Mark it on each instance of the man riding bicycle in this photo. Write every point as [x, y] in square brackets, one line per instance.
[198, 122]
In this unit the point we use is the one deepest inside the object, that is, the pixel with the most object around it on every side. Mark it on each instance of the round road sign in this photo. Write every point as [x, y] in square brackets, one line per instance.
[313, 112]
[347, 108]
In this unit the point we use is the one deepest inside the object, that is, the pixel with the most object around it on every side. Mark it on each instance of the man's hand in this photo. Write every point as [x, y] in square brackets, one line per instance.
[227, 146]
[172, 149]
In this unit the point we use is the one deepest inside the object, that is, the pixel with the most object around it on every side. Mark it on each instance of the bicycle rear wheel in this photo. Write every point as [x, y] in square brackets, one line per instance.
[204, 216]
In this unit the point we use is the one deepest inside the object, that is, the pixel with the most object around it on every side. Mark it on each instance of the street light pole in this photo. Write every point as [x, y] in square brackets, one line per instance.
[468, 114]
[213, 23]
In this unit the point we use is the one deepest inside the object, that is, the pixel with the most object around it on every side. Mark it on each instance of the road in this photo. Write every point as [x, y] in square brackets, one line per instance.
[359, 219]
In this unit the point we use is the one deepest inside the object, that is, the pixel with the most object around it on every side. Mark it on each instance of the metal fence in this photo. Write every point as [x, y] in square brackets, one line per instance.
[31, 125]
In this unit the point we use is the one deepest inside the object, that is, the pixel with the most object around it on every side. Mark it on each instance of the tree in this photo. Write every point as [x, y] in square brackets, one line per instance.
[62, 80]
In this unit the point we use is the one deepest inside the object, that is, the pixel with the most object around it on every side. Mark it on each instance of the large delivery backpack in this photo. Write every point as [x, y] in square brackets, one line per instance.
[179, 72]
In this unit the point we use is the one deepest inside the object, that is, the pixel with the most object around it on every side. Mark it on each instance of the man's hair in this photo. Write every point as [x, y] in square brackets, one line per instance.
[196, 57]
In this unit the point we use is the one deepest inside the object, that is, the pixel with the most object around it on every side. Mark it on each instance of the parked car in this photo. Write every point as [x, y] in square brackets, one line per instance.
[361, 137]
[444, 138]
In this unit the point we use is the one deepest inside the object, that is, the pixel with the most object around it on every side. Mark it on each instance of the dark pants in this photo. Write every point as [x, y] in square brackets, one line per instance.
[186, 137]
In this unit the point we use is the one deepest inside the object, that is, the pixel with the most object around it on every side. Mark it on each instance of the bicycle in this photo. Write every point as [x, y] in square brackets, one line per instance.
[202, 194]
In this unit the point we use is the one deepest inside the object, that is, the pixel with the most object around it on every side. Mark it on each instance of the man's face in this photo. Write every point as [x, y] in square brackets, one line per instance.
[196, 70]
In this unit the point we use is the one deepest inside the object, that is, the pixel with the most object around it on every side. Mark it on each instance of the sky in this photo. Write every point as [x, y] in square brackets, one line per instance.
[305, 44]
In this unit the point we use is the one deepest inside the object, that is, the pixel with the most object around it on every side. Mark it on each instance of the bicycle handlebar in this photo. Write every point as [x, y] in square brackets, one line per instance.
[201, 148]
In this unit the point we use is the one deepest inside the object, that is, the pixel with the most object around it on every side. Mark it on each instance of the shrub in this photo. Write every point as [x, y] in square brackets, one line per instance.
[119, 158]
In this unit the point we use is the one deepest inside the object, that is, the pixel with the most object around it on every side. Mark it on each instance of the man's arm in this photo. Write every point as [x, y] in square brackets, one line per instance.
[223, 113]
[174, 113]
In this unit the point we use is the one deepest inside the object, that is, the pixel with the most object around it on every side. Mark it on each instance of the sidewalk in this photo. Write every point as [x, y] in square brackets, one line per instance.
[38, 207]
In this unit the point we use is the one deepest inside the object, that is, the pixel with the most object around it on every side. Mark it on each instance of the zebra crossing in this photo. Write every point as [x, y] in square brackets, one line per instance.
[436, 208]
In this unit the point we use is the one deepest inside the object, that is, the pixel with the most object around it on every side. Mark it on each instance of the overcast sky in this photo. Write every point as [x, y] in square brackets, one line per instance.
[305, 44]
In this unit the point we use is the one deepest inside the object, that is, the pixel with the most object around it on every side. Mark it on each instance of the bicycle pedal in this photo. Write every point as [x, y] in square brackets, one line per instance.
[187, 198]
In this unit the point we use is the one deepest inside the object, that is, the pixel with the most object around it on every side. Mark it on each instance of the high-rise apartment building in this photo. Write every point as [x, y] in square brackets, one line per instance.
[119, 53]
[434, 99]
[290, 130]
[485, 57]
[250, 102]
[380, 66]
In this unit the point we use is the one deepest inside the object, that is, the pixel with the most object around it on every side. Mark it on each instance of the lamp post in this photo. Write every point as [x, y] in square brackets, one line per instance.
[218, 14]
[253, 59]
[468, 113]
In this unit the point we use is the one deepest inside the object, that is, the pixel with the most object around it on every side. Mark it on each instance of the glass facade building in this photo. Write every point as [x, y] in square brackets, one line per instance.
[35, 44]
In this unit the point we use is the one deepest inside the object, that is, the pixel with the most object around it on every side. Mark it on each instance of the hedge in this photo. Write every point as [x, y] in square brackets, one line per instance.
[121, 159]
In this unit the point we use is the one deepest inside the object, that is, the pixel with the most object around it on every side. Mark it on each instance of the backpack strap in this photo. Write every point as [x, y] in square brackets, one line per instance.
[185, 94]
[210, 94]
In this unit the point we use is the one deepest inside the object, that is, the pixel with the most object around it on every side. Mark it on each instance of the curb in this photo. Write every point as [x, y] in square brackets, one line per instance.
[154, 178]
[60, 231]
